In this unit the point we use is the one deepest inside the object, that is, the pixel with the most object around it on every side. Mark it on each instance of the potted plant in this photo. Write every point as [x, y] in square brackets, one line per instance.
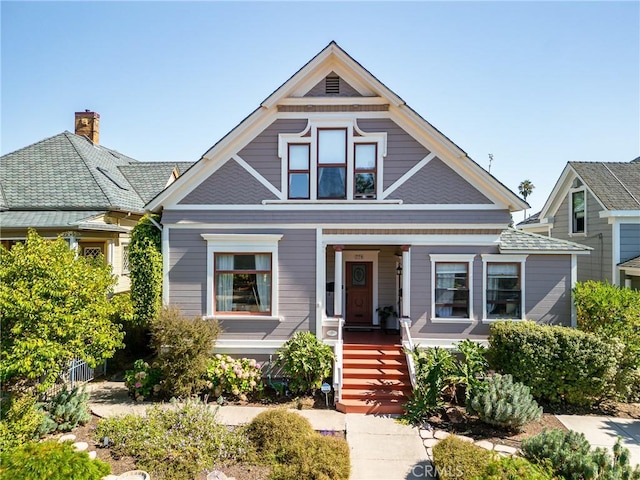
[388, 317]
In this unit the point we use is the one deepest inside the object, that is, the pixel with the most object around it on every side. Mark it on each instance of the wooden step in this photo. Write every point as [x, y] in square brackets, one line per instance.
[364, 394]
[367, 353]
[374, 363]
[372, 407]
[371, 383]
[371, 346]
[382, 373]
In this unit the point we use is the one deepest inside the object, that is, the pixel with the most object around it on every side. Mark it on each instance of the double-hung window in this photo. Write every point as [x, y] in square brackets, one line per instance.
[365, 155]
[504, 287]
[243, 283]
[452, 290]
[332, 163]
[299, 170]
[578, 212]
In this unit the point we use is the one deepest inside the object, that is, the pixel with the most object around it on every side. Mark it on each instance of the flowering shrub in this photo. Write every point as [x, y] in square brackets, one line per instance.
[142, 381]
[234, 376]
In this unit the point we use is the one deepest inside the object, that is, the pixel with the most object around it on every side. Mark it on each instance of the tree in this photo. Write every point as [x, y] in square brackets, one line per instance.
[145, 267]
[525, 188]
[54, 307]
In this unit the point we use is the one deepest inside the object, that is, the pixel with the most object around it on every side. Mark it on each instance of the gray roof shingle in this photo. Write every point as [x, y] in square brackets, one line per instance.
[149, 179]
[616, 184]
[633, 263]
[45, 219]
[514, 241]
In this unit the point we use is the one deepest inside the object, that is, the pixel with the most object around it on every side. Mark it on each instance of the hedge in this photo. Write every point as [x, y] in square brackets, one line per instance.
[560, 364]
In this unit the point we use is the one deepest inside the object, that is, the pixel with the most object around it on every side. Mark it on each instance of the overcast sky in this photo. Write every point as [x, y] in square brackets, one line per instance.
[536, 84]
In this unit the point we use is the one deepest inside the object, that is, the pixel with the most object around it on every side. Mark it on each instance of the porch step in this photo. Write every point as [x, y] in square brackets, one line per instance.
[375, 379]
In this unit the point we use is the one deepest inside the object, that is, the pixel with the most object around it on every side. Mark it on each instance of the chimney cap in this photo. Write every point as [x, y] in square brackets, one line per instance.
[88, 112]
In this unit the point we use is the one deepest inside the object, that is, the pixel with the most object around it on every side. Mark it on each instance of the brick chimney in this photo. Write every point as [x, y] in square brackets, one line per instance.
[88, 124]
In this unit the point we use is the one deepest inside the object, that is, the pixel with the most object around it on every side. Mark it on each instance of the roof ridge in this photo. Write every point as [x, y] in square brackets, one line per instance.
[84, 162]
[35, 143]
[621, 184]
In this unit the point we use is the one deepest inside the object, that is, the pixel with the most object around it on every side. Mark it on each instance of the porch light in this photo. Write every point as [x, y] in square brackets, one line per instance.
[399, 270]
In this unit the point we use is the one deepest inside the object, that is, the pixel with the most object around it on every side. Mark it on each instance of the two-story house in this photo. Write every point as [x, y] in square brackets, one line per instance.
[597, 204]
[334, 198]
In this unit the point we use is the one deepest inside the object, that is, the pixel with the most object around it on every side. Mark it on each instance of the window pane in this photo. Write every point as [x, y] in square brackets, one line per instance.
[236, 291]
[244, 262]
[299, 157]
[299, 185]
[503, 290]
[331, 182]
[365, 157]
[504, 269]
[578, 202]
[365, 183]
[332, 146]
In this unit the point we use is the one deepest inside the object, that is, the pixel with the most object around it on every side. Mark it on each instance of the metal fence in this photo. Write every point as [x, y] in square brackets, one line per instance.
[78, 373]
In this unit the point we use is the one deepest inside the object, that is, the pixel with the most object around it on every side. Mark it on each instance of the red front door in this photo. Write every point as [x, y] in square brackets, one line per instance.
[359, 302]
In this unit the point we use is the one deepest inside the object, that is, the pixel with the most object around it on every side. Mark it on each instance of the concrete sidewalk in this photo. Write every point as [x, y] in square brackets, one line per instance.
[380, 447]
[604, 431]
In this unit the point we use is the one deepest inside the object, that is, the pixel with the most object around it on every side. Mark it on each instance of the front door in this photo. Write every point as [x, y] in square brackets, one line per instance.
[359, 295]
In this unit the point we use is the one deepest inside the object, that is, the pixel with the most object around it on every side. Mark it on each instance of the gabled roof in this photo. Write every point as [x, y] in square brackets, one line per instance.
[518, 241]
[58, 180]
[535, 218]
[616, 184]
[334, 60]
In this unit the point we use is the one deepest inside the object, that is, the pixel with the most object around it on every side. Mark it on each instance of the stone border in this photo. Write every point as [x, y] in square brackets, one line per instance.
[430, 437]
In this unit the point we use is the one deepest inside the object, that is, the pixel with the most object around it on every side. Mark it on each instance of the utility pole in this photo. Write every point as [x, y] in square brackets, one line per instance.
[490, 160]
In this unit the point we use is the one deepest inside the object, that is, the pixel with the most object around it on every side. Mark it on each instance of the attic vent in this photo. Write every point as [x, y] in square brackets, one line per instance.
[332, 85]
[107, 174]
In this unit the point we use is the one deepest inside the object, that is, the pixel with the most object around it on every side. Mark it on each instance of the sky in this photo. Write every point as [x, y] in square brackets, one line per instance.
[535, 84]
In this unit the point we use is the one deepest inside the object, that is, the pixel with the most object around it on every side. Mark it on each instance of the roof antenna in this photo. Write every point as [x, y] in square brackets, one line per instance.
[490, 160]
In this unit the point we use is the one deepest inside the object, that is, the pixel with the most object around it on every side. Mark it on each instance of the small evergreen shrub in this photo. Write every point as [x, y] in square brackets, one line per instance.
[52, 461]
[184, 347]
[316, 458]
[514, 468]
[65, 411]
[174, 443]
[456, 459]
[275, 433]
[233, 376]
[505, 403]
[559, 364]
[20, 420]
[570, 456]
[306, 361]
[143, 381]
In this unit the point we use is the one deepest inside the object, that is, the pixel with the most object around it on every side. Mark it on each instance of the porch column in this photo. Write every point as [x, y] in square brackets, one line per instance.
[406, 281]
[337, 279]
[73, 243]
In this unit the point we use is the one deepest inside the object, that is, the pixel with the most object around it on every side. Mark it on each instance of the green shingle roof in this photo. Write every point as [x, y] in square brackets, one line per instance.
[616, 184]
[514, 241]
[42, 219]
[149, 179]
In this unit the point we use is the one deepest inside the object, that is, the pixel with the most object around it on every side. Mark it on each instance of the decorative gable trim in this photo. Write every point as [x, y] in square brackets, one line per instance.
[562, 188]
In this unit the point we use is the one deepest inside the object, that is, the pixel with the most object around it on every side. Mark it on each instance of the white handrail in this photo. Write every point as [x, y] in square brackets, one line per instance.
[337, 366]
[408, 346]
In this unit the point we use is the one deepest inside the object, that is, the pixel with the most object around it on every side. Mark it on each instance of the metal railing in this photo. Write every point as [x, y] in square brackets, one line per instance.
[338, 363]
[407, 342]
[78, 373]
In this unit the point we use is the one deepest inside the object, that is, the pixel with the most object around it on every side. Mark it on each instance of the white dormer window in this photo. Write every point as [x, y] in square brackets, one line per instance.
[332, 160]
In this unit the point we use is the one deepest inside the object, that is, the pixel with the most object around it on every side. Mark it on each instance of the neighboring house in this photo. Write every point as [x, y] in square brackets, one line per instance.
[597, 204]
[69, 185]
[334, 198]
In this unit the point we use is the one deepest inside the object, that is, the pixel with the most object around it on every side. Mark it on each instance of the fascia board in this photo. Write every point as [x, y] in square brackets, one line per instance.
[456, 158]
[566, 177]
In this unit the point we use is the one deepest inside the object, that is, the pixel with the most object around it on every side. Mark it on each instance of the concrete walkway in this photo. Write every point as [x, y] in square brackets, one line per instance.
[604, 431]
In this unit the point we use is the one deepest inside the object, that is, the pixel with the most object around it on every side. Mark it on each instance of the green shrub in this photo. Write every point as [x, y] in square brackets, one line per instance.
[143, 381]
[65, 411]
[570, 456]
[559, 364]
[433, 367]
[184, 347]
[610, 311]
[173, 443]
[234, 376]
[471, 369]
[20, 420]
[514, 468]
[306, 361]
[275, 433]
[52, 461]
[456, 459]
[504, 403]
[316, 458]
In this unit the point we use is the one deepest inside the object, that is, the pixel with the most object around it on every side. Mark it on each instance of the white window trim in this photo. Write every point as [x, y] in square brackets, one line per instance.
[242, 243]
[350, 124]
[571, 192]
[468, 259]
[494, 258]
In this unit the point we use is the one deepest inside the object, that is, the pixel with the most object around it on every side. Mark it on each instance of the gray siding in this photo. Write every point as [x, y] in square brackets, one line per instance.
[597, 265]
[346, 90]
[403, 151]
[346, 217]
[221, 188]
[296, 264]
[437, 183]
[629, 241]
[262, 152]
[548, 289]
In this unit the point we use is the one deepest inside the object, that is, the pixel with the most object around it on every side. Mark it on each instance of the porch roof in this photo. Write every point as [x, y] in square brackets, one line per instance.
[633, 263]
[512, 240]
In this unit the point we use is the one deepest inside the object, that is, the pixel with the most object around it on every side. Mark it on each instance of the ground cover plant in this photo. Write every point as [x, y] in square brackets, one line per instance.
[515, 468]
[65, 411]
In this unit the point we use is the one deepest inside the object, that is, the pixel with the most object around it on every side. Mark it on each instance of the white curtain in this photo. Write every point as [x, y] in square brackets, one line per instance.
[263, 280]
[224, 283]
